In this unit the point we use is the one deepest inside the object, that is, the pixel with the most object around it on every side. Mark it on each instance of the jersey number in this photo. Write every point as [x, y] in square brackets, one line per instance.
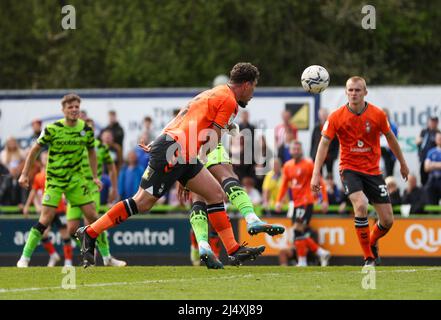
[383, 189]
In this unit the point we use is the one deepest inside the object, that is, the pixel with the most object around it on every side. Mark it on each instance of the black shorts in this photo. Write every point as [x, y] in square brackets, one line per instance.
[373, 186]
[303, 214]
[162, 173]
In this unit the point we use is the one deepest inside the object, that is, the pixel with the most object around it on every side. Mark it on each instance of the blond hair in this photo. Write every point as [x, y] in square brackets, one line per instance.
[355, 79]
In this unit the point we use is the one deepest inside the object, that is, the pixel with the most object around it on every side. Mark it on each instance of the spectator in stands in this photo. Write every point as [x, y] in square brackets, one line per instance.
[414, 195]
[36, 125]
[114, 148]
[130, 176]
[286, 126]
[432, 166]
[241, 159]
[105, 191]
[334, 193]
[387, 155]
[11, 194]
[283, 151]
[148, 133]
[394, 191]
[263, 156]
[83, 115]
[115, 128]
[249, 185]
[12, 155]
[316, 136]
[271, 185]
[426, 141]
[247, 129]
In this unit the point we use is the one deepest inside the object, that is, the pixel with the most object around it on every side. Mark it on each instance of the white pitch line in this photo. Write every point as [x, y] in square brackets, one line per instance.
[125, 283]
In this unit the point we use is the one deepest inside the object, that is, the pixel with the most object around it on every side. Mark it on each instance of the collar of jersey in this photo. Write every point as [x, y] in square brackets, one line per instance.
[361, 112]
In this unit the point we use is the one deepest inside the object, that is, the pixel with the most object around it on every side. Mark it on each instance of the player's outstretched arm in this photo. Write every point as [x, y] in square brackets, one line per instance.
[322, 152]
[395, 147]
[30, 159]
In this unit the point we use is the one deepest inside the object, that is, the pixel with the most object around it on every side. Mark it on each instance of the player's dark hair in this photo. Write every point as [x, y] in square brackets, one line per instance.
[244, 72]
[69, 98]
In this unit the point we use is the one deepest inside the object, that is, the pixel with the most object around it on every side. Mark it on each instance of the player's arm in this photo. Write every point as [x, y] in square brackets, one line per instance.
[322, 152]
[395, 147]
[94, 165]
[30, 159]
[113, 182]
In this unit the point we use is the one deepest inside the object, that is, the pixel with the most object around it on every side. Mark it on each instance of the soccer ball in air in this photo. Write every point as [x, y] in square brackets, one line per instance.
[315, 79]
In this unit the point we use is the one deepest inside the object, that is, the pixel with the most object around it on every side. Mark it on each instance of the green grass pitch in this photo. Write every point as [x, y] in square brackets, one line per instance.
[249, 283]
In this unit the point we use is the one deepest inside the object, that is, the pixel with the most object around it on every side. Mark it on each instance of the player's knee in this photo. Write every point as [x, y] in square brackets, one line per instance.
[388, 222]
[40, 227]
[361, 207]
[143, 202]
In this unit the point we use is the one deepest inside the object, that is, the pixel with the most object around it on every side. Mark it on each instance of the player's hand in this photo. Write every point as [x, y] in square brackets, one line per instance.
[404, 170]
[147, 148]
[23, 181]
[278, 207]
[98, 183]
[233, 129]
[183, 194]
[315, 184]
[325, 206]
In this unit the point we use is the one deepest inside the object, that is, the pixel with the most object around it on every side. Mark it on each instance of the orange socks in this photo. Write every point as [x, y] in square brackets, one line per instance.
[301, 247]
[362, 229]
[312, 245]
[220, 221]
[48, 245]
[67, 249]
[378, 231]
[117, 214]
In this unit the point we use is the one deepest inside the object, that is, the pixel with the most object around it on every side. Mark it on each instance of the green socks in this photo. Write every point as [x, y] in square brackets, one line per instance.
[32, 242]
[199, 221]
[102, 243]
[238, 196]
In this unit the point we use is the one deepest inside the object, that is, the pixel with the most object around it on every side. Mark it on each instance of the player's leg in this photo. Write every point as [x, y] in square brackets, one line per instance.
[376, 191]
[353, 186]
[219, 165]
[206, 186]
[300, 244]
[311, 244]
[36, 232]
[50, 248]
[199, 224]
[67, 240]
[194, 250]
[102, 241]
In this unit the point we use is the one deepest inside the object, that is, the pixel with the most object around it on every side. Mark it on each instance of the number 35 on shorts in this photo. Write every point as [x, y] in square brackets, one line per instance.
[383, 189]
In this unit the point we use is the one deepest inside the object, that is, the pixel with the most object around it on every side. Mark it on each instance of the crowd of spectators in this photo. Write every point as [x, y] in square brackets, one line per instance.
[262, 189]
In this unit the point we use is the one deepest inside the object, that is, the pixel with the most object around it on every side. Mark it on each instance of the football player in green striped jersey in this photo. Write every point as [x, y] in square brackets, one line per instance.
[67, 139]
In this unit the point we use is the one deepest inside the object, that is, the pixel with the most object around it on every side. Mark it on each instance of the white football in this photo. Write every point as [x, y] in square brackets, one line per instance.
[315, 79]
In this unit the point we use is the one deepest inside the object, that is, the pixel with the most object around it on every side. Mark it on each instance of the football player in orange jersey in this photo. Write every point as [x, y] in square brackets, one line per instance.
[358, 126]
[174, 157]
[297, 174]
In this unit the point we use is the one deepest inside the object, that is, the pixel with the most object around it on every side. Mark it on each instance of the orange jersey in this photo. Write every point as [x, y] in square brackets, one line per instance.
[38, 186]
[297, 176]
[359, 137]
[217, 106]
